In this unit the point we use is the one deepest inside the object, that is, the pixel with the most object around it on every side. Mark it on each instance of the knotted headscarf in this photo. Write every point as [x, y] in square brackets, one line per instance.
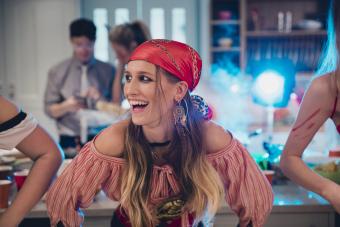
[174, 57]
[177, 58]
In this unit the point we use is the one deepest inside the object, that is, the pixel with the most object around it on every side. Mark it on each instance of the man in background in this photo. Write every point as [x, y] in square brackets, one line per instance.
[75, 84]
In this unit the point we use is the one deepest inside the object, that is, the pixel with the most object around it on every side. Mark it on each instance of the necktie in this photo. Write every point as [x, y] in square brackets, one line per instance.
[84, 85]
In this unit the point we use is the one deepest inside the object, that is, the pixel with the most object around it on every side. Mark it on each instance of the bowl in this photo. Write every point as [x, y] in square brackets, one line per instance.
[329, 170]
[225, 42]
[333, 176]
[312, 25]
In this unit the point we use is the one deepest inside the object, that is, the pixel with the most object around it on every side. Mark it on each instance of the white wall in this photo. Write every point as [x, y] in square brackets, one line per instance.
[35, 38]
[2, 47]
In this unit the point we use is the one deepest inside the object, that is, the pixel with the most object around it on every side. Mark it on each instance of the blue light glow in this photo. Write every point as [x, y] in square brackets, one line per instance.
[269, 87]
[234, 88]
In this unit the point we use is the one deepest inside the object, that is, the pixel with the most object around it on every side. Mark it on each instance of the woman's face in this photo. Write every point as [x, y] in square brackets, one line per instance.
[122, 53]
[149, 106]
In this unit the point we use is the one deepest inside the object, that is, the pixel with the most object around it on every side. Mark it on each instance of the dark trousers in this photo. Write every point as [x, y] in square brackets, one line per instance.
[72, 141]
[67, 142]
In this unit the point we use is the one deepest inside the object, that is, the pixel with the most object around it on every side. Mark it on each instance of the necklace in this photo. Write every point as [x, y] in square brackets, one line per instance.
[156, 155]
[161, 144]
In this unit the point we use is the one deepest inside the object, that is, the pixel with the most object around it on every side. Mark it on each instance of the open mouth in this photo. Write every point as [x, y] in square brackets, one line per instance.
[138, 106]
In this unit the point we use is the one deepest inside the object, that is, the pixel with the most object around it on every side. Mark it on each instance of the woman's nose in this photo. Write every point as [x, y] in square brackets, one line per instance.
[131, 87]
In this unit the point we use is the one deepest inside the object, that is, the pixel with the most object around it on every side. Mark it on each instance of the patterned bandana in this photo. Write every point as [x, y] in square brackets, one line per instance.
[174, 57]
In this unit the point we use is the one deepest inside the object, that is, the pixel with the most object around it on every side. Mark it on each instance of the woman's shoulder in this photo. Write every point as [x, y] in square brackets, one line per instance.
[215, 136]
[323, 84]
[111, 140]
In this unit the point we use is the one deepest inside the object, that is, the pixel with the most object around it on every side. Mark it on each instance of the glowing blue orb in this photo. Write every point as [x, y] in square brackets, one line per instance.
[234, 88]
[269, 87]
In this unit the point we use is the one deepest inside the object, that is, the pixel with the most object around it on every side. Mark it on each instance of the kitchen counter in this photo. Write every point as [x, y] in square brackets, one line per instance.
[293, 207]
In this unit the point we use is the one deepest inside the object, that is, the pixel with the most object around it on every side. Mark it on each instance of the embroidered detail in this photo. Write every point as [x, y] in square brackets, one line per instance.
[170, 209]
[194, 64]
[157, 43]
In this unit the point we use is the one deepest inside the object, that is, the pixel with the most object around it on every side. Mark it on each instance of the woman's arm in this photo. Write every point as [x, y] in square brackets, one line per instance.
[41, 148]
[93, 168]
[247, 191]
[316, 107]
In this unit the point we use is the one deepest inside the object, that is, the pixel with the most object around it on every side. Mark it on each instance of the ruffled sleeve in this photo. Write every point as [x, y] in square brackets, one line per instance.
[76, 187]
[248, 192]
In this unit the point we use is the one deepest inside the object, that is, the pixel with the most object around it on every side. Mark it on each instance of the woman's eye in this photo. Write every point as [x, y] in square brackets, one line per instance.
[145, 79]
[127, 78]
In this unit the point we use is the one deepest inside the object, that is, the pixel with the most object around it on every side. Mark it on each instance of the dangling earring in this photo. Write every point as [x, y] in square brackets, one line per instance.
[180, 115]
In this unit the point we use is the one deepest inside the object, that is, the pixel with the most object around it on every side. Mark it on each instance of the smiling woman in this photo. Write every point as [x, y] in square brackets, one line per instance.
[168, 164]
[151, 95]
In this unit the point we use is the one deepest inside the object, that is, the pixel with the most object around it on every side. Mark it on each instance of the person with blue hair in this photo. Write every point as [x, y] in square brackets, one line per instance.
[320, 102]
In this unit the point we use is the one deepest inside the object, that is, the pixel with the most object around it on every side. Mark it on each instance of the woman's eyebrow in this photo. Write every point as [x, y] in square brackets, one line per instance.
[143, 72]
[138, 72]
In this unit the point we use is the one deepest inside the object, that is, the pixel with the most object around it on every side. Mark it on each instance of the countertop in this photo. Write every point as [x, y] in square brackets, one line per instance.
[288, 198]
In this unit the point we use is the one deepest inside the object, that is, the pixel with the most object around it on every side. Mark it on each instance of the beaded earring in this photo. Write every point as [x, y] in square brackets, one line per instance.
[180, 114]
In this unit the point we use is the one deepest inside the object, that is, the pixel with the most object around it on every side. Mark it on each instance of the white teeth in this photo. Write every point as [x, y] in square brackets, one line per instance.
[135, 102]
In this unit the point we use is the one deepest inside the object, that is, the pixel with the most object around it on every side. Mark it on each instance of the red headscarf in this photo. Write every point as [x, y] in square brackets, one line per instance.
[174, 57]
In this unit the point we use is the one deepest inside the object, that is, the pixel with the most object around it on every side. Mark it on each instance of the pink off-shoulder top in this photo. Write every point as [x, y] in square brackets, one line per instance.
[247, 191]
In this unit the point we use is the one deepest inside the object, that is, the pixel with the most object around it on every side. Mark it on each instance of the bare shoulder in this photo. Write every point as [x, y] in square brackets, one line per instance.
[111, 140]
[323, 85]
[215, 136]
[8, 110]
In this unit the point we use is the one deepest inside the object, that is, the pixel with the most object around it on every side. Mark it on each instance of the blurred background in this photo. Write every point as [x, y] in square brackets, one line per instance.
[237, 40]
[258, 58]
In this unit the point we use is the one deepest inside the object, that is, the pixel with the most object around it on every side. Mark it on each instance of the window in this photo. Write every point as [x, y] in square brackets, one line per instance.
[121, 16]
[102, 42]
[157, 23]
[178, 25]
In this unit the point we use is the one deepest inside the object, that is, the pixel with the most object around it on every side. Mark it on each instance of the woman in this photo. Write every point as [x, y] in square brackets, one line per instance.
[124, 39]
[17, 129]
[168, 164]
[320, 102]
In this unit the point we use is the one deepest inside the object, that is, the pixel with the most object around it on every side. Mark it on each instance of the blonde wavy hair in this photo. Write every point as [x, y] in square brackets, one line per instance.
[201, 186]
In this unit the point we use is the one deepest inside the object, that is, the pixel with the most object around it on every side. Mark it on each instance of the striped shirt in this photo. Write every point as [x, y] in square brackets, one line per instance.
[248, 192]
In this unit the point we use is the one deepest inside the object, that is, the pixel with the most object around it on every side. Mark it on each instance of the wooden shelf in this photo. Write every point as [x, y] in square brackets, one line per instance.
[225, 22]
[283, 34]
[225, 49]
[304, 47]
